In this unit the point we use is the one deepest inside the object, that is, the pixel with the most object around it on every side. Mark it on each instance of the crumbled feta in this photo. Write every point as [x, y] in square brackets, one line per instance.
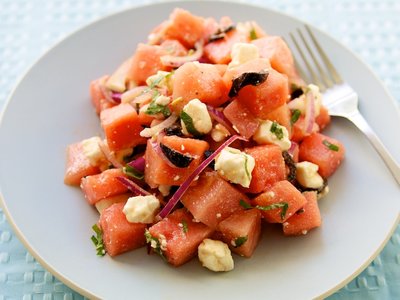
[201, 119]
[141, 209]
[162, 80]
[219, 133]
[235, 166]
[299, 103]
[92, 151]
[242, 53]
[267, 133]
[162, 100]
[324, 192]
[307, 175]
[215, 256]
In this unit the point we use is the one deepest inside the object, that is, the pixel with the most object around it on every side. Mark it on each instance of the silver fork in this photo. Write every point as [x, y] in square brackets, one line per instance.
[338, 96]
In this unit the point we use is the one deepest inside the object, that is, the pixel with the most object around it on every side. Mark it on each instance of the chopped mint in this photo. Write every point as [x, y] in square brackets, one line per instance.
[330, 146]
[295, 116]
[188, 121]
[185, 227]
[283, 205]
[155, 108]
[275, 129]
[244, 204]
[239, 241]
[253, 34]
[98, 240]
[154, 243]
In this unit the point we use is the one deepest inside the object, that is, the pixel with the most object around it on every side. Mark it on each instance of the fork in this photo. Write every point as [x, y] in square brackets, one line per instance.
[338, 96]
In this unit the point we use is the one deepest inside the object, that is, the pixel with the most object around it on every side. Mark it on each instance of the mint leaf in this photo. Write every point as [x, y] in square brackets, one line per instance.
[330, 146]
[253, 34]
[132, 172]
[188, 121]
[239, 241]
[295, 116]
[155, 108]
[283, 205]
[275, 129]
[244, 204]
[98, 240]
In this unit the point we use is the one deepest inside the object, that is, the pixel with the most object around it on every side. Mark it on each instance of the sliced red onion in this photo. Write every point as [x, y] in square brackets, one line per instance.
[185, 185]
[220, 118]
[109, 155]
[293, 147]
[116, 97]
[177, 61]
[309, 113]
[149, 132]
[138, 164]
[107, 94]
[133, 187]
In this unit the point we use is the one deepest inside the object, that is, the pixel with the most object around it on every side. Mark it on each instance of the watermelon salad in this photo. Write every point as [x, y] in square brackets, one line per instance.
[210, 135]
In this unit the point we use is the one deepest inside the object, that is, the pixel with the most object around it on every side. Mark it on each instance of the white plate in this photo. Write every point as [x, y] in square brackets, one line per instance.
[50, 108]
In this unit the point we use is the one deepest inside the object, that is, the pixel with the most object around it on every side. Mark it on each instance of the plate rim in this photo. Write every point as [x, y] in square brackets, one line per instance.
[70, 282]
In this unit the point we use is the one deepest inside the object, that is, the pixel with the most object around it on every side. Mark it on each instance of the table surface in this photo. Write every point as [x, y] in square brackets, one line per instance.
[371, 28]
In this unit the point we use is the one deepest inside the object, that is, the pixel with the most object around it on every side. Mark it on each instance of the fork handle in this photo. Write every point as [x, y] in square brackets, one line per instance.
[390, 162]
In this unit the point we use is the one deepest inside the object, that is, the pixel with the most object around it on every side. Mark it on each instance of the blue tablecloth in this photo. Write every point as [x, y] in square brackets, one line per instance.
[371, 28]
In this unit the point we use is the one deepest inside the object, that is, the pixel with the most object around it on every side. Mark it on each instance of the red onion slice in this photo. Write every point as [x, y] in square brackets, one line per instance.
[220, 118]
[293, 147]
[177, 61]
[116, 97]
[133, 187]
[149, 132]
[109, 155]
[107, 94]
[185, 185]
[138, 164]
[309, 113]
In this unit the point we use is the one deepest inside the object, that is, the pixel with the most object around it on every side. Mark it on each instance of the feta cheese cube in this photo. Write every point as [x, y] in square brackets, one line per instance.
[270, 132]
[161, 79]
[201, 119]
[235, 166]
[242, 53]
[307, 175]
[141, 209]
[215, 256]
[299, 103]
[92, 151]
[162, 100]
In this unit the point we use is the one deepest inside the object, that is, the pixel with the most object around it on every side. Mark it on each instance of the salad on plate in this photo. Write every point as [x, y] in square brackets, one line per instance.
[209, 135]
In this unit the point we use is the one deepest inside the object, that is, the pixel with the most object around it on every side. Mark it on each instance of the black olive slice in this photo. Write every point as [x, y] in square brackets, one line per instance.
[176, 158]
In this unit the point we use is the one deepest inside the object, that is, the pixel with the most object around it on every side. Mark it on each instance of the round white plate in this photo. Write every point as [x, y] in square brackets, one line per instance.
[50, 108]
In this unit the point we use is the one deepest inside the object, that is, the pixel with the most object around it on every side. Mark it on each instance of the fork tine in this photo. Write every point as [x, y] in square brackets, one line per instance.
[325, 78]
[314, 76]
[335, 75]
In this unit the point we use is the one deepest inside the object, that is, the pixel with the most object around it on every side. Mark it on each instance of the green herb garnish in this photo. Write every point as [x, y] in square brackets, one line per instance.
[155, 108]
[155, 243]
[188, 121]
[283, 205]
[253, 34]
[132, 172]
[330, 146]
[185, 227]
[275, 129]
[295, 116]
[239, 241]
[98, 240]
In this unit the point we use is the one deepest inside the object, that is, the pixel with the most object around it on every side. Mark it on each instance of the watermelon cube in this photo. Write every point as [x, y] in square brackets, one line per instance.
[304, 220]
[177, 236]
[324, 151]
[212, 199]
[287, 199]
[103, 185]
[241, 231]
[119, 235]
[241, 118]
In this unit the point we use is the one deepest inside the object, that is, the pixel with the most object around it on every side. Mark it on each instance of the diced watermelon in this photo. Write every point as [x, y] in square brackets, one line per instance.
[242, 231]
[119, 235]
[307, 218]
[269, 167]
[219, 51]
[96, 95]
[180, 235]
[241, 118]
[298, 130]
[122, 127]
[212, 199]
[174, 48]
[202, 81]
[276, 50]
[184, 27]
[77, 165]
[146, 62]
[280, 193]
[158, 172]
[323, 119]
[316, 149]
[103, 185]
